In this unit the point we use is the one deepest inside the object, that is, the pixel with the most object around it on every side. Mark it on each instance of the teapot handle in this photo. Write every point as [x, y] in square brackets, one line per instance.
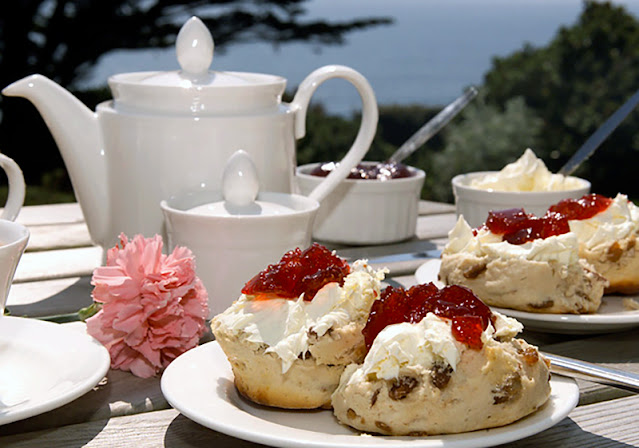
[16, 188]
[367, 127]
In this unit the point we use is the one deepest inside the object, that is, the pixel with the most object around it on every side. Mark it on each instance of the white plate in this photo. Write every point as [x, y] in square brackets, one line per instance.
[610, 317]
[199, 384]
[44, 366]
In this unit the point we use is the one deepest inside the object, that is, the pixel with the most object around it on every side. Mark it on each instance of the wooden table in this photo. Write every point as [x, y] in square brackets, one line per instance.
[54, 277]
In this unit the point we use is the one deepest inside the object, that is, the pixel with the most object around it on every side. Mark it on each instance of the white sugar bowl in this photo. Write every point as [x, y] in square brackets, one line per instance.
[238, 231]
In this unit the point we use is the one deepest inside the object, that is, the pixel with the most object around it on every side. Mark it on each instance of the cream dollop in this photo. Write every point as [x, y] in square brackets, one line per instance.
[528, 173]
[563, 249]
[618, 221]
[422, 344]
[284, 324]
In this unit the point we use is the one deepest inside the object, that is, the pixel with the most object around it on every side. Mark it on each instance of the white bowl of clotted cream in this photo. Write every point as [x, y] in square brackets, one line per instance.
[526, 183]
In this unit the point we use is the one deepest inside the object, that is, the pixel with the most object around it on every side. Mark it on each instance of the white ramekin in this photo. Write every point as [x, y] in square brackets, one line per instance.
[363, 212]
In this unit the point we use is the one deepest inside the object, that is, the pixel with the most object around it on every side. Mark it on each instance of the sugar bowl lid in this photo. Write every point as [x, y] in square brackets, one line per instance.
[194, 89]
[240, 197]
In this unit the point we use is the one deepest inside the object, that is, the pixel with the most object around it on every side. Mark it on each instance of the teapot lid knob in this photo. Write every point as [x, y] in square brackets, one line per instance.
[240, 184]
[194, 47]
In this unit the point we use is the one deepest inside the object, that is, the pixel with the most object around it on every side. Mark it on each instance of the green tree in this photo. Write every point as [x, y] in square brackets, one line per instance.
[573, 85]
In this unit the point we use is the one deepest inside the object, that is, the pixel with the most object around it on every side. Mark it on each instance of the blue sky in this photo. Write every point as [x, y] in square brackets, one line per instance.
[434, 49]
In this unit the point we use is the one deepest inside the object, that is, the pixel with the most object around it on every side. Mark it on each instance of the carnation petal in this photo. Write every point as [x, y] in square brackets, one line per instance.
[112, 281]
[121, 355]
[129, 318]
[151, 355]
[139, 366]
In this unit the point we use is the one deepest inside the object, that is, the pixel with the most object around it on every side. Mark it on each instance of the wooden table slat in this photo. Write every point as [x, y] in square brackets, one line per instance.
[58, 263]
[434, 208]
[35, 215]
[436, 226]
[57, 236]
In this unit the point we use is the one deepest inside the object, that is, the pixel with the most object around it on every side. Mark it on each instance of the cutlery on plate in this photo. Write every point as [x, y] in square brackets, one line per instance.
[406, 256]
[575, 368]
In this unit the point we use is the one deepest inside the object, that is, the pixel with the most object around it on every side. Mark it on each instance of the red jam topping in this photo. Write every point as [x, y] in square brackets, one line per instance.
[298, 272]
[469, 315]
[583, 208]
[367, 170]
[519, 227]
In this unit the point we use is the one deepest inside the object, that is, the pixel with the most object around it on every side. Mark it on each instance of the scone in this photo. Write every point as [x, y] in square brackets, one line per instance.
[534, 266]
[446, 365]
[296, 326]
[607, 231]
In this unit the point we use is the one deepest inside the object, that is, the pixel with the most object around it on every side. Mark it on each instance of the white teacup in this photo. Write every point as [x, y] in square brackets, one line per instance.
[13, 236]
[13, 241]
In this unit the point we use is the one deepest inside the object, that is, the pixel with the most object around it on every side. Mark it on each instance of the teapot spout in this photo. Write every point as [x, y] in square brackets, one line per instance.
[76, 132]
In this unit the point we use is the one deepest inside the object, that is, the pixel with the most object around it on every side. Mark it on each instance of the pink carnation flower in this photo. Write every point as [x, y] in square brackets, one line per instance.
[154, 307]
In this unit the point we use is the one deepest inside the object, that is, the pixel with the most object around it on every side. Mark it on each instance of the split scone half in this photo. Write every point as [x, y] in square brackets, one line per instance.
[290, 353]
[545, 275]
[608, 242]
[421, 378]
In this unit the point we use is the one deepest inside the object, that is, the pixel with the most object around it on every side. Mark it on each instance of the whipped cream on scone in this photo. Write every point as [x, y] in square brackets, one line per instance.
[608, 241]
[542, 275]
[419, 378]
[290, 352]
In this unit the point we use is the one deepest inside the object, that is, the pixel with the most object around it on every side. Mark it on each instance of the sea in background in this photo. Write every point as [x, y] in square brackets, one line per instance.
[432, 51]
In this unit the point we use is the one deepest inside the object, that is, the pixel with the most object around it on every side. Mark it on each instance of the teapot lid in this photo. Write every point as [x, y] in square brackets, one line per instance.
[195, 89]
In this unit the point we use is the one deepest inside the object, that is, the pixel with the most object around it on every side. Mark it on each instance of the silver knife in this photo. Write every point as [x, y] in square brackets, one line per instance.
[575, 368]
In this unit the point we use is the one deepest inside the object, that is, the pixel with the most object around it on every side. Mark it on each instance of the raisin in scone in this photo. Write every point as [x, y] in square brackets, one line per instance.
[440, 363]
[607, 231]
[535, 268]
[296, 326]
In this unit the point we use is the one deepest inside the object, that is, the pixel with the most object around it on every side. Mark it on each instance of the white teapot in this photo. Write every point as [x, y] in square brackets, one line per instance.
[168, 133]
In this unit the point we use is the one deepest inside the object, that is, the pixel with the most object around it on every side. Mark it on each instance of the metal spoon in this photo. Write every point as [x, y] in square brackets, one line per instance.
[575, 368]
[593, 142]
[433, 126]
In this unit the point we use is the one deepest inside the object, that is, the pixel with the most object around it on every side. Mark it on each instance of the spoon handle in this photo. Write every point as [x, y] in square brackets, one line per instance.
[600, 135]
[433, 126]
[592, 372]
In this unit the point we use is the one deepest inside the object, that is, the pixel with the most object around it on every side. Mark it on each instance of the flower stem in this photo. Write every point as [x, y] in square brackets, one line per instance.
[81, 315]
[85, 313]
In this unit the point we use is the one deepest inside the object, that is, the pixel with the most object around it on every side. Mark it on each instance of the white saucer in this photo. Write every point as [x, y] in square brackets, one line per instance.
[199, 384]
[45, 365]
[610, 317]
